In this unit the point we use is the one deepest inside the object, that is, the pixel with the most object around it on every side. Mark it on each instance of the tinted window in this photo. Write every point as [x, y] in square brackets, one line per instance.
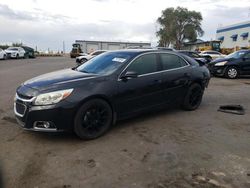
[247, 55]
[144, 64]
[171, 61]
[97, 53]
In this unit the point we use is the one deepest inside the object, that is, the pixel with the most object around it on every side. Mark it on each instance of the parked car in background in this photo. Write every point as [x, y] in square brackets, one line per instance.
[109, 87]
[165, 48]
[29, 52]
[212, 54]
[195, 55]
[15, 52]
[82, 59]
[232, 66]
[3, 54]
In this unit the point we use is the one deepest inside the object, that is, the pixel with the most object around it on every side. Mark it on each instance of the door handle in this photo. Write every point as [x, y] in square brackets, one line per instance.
[154, 82]
[158, 81]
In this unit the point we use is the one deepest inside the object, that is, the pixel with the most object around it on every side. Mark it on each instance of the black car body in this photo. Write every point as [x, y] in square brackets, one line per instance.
[29, 52]
[124, 83]
[195, 55]
[232, 66]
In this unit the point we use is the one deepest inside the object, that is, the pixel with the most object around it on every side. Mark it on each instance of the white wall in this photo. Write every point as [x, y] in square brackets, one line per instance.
[228, 41]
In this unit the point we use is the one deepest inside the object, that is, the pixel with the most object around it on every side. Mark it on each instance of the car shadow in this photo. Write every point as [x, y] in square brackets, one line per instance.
[137, 119]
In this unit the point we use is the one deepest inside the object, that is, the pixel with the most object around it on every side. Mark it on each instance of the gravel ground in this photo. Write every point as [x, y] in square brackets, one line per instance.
[171, 148]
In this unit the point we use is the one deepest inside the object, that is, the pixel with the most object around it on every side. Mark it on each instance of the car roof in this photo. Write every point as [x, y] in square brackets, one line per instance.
[243, 50]
[209, 51]
[136, 52]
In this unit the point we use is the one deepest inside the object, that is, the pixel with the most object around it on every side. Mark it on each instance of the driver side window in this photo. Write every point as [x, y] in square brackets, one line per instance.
[144, 64]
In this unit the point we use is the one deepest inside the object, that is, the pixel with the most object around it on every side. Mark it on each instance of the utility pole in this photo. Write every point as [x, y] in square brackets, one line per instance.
[63, 47]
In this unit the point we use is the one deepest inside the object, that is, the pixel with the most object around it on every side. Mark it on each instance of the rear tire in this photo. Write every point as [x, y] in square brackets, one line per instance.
[232, 72]
[193, 97]
[4, 57]
[17, 56]
[93, 119]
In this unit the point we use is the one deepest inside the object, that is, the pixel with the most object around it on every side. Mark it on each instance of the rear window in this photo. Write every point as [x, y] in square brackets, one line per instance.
[171, 61]
[144, 64]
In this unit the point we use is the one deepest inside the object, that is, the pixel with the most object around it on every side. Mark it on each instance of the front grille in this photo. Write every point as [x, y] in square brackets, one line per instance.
[20, 108]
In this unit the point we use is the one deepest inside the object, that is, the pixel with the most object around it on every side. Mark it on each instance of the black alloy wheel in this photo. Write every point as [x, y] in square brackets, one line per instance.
[93, 119]
[193, 97]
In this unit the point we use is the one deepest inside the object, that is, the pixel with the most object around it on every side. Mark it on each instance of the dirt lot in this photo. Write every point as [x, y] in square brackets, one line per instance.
[172, 148]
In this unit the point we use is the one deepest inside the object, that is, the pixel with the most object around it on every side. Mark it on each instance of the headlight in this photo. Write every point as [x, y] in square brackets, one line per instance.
[220, 63]
[52, 97]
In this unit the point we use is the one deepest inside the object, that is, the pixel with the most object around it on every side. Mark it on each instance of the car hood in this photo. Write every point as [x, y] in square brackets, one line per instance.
[221, 60]
[10, 51]
[56, 78]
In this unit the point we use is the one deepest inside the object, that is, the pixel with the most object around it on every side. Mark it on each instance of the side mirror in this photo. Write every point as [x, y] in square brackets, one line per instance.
[129, 75]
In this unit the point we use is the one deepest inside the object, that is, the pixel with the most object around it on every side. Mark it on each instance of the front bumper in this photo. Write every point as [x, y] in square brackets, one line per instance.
[59, 117]
[217, 70]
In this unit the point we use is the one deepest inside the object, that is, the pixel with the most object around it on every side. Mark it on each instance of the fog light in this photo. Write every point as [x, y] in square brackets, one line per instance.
[219, 71]
[44, 125]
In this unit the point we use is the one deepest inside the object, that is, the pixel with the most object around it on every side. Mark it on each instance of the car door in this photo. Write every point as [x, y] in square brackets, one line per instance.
[245, 64]
[176, 76]
[142, 92]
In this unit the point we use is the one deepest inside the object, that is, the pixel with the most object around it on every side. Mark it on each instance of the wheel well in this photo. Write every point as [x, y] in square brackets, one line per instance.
[236, 66]
[92, 98]
[198, 82]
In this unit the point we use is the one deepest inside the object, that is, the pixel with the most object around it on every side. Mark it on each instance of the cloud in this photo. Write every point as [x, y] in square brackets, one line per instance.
[6, 12]
[222, 16]
[46, 23]
[35, 15]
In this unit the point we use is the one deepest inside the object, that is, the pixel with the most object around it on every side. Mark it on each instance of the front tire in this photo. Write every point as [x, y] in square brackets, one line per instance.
[83, 61]
[232, 72]
[193, 97]
[17, 56]
[93, 119]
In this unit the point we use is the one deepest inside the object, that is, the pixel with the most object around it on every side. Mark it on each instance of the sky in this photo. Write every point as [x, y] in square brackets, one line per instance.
[46, 23]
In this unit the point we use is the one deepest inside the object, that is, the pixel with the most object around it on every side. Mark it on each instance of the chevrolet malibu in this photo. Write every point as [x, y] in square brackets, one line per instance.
[110, 87]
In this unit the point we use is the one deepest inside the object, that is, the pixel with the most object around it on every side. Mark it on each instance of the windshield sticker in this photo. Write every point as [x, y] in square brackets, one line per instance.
[118, 59]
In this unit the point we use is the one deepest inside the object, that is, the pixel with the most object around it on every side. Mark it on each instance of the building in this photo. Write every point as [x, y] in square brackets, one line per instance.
[201, 45]
[90, 46]
[236, 35]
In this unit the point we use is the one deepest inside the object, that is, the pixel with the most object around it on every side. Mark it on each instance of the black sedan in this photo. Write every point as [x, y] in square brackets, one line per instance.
[112, 86]
[232, 66]
[195, 55]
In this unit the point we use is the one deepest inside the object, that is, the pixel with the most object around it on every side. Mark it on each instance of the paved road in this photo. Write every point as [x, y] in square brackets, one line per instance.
[171, 148]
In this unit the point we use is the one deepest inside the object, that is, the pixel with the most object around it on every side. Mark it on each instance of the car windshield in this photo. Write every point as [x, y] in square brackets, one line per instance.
[236, 55]
[13, 49]
[105, 63]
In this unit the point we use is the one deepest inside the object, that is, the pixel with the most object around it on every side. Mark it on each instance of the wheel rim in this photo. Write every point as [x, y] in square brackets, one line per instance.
[95, 119]
[232, 72]
[195, 97]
